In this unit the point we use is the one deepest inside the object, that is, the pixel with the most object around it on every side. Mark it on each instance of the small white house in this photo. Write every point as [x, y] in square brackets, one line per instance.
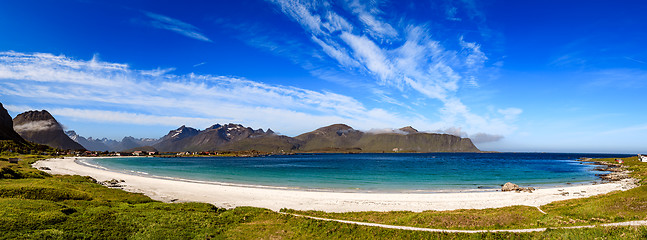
[642, 158]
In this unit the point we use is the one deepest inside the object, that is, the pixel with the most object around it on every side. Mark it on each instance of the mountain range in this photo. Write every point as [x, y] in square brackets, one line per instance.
[333, 138]
[105, 144]
[41, 127]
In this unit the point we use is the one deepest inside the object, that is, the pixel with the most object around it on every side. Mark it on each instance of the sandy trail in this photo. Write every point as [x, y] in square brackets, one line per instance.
[630, 223]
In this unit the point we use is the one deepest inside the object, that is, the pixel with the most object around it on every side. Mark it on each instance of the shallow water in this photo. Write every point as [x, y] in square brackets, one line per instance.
[401, 172]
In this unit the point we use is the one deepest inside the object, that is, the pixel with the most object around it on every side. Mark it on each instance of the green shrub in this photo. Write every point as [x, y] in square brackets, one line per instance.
[42, 193]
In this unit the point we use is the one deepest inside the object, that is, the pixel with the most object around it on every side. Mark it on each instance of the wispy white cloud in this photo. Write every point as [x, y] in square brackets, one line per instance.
[105, 116]
[301, 13]
[635, 60]
[105, 92]
[485, 138]
[620, 78]
[402, 57]
[450, 12]
[174, 25]
[625, 130]
[368, 13]
[199, 64]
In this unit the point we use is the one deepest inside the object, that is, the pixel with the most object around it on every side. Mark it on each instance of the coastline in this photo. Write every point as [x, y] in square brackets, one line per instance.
[275, 198]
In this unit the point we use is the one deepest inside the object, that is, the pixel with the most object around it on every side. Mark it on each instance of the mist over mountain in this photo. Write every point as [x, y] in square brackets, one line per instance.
[41, 127]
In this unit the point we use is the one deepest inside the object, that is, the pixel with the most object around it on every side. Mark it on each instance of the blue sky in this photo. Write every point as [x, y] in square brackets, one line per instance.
[554, 76]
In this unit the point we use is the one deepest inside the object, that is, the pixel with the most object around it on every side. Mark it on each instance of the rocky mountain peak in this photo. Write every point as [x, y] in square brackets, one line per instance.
[408, 129]
[32, 116]
[73, 135]
[35, 121]
[181, 132]
[338, 129]
[41, 127]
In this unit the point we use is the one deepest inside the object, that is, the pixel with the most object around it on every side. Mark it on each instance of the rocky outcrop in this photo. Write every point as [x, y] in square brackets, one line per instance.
[41, 127]
[508, 187]
[617, 172]
[113, 183]
[408, 129]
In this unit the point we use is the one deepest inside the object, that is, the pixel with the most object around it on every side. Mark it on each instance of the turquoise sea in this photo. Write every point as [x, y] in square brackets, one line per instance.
[398, 172]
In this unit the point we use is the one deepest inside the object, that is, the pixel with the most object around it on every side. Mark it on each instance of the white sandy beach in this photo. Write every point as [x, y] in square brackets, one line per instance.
[228, 196]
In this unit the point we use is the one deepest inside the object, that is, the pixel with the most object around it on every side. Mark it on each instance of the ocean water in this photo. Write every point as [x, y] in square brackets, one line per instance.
[401, 172]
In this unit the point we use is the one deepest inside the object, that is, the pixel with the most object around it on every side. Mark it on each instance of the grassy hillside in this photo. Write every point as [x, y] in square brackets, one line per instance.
[35, 205]
[415, 142]
[20, 147]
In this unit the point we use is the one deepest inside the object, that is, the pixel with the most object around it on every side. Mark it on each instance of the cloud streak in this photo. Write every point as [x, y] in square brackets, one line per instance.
[401, 57]
[174, 25]
[92, 88]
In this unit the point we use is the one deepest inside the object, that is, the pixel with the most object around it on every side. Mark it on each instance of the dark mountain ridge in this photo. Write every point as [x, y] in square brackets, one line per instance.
[228, 137]
[333, 138]
[6, 127]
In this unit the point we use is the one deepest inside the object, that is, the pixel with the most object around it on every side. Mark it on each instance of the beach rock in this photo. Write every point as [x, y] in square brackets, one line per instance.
[112, 183]
[509, 187]
[527, 189]
[514, 187]
[614, 176]
[91, 179]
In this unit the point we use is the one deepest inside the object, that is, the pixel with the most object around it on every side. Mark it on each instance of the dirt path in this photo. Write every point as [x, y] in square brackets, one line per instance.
[631, 223]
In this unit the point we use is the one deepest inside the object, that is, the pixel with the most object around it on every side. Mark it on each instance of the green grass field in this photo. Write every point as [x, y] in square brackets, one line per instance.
[35, 205]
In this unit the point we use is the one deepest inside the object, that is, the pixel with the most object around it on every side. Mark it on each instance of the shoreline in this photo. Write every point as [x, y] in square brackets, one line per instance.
[80, 161]
[274, 198]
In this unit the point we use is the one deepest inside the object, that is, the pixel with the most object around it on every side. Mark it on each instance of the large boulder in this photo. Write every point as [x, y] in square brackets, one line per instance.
[514, 187]
[509, 187]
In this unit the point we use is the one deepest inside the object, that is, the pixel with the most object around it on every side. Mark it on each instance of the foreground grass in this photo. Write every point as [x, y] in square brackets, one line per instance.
[35, 205]
[612, 207]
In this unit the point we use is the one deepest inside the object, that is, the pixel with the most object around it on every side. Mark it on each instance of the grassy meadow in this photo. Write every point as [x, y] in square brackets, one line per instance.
[612, 207]
[36, 205]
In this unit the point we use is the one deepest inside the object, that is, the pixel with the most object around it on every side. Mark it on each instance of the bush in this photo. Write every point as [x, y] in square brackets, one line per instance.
[43, 193]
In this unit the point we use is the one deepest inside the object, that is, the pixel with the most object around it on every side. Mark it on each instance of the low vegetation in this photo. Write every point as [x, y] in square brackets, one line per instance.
[36, 205]
[612, 207]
